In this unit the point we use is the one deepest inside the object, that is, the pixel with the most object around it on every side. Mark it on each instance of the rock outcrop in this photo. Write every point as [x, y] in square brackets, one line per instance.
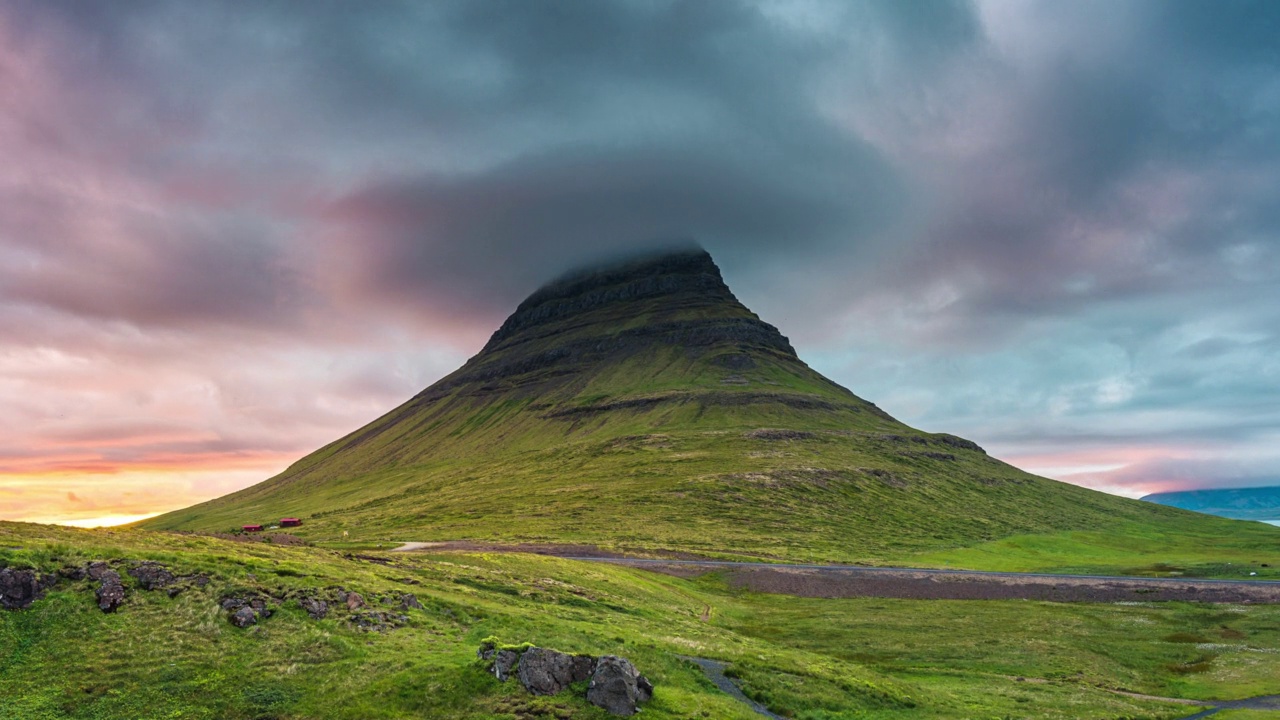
[246, 611]
[378, 621]
[315, 607]
[547, 672]
[152, 575]
[20, 588]
[615, 684]
[352, 599]
[110, 591]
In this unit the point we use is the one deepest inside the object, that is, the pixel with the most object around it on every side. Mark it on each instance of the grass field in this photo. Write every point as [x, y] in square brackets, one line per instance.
[805, 658]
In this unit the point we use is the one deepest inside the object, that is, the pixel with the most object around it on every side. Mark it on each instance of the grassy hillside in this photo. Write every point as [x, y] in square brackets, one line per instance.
[179, 657]
[644, 407]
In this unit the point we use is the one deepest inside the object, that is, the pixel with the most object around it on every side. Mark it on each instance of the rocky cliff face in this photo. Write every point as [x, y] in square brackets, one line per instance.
[682, 282]
[574, 324]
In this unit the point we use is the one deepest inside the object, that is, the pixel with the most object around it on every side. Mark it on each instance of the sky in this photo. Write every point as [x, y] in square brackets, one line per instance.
[232, 232]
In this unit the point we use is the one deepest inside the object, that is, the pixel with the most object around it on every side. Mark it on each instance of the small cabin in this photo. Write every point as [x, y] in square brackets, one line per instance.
[290, 522]
[251, 528]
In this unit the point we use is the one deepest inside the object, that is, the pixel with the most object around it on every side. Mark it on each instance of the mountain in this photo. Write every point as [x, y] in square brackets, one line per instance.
[1259, 503]
[642, 406]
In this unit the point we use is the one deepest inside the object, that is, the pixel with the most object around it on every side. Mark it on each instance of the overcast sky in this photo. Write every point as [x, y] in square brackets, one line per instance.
[230, 233]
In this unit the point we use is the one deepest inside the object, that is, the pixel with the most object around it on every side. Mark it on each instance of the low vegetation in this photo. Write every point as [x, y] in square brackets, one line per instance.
[163, 657]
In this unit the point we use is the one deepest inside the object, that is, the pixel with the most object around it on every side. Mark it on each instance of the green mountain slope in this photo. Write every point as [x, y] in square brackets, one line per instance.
[642, 406]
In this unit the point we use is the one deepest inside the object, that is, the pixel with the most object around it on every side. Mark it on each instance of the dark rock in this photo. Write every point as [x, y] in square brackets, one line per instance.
[378, 621]
[777, 434]
[20, 588]
[245, 608]
[73, 573]
[352, 599]
[243, 617]
[617, 686]
[199, 580]
[734, 361]
[152, 575]
[957, 442]
[547, 672]
[110, 592]
[260, 607]
[409, 601]
[97, 570]
[486, 651]
[174, 591]
[503, 661]
[315, 607]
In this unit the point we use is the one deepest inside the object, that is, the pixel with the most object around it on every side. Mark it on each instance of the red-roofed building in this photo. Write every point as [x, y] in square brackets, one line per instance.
[251, 528]
[290, 522]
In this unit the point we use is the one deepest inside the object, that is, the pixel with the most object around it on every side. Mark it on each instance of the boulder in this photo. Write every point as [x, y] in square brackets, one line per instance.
[315, 607]
[73, 572]
[617, 686]
[243, 617]
[245, 611]
[110, 592]
[152, 575]
[260, 607]
[352, 599]
[503, 661]
[20, 588]
[378, 621]
[409, 601]
[547, 672]
[97, 570]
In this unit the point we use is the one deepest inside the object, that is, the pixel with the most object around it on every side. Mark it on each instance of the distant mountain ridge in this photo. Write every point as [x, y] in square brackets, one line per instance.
[1256, 503]
[641, 405]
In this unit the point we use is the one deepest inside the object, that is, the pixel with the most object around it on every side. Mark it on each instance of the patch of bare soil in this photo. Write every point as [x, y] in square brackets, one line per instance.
[552, 549]
[273, 538]
[923, 585]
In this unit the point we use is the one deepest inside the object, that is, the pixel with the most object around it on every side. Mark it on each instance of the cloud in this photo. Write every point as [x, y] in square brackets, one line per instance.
[232, 231]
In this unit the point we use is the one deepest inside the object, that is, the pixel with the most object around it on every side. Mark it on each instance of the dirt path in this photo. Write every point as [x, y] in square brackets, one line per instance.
[846, 581]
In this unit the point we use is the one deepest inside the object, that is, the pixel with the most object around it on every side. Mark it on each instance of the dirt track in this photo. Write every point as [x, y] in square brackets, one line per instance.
[925, 585]
[830, 581]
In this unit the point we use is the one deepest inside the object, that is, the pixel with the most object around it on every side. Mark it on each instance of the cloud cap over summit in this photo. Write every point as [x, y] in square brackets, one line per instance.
[1046, 224]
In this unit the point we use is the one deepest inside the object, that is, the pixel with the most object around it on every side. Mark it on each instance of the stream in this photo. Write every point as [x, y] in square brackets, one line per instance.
[714, 670]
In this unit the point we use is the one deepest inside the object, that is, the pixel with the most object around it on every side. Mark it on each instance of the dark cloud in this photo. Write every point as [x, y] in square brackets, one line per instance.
[483, 242]
[999, 218]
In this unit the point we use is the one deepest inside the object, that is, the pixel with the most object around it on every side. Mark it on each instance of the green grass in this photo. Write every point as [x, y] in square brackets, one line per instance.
[1249, 551]
[805, 658]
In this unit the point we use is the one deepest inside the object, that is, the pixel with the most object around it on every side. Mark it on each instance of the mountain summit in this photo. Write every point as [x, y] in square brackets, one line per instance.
[641, 405]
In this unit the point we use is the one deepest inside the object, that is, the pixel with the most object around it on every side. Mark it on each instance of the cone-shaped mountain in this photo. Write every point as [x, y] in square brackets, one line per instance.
[640, 405]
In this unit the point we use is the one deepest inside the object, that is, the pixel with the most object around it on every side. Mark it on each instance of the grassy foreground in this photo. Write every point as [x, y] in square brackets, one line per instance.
[161, 657]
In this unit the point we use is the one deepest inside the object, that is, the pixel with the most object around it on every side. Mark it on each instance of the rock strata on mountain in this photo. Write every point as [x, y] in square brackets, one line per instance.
[642, 404]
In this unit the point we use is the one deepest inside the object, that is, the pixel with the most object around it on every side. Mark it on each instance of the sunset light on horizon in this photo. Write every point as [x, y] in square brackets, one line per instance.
[231, 233]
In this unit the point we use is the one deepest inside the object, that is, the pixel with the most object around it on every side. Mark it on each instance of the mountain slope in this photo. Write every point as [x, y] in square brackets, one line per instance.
[1257, 503]
[643, 406]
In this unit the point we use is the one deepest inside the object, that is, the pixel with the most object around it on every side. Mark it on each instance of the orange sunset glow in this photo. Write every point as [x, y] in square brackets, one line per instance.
[229, 236]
